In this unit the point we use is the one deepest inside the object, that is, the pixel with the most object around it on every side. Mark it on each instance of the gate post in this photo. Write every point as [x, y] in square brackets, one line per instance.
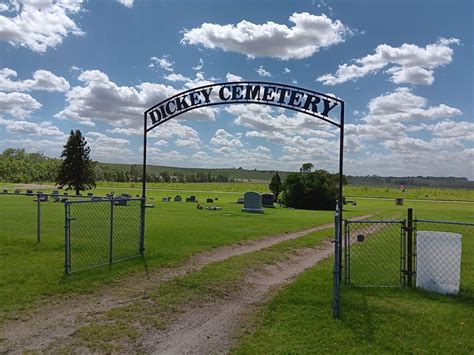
[142, 229]
[38, 208]
[410, 248]
[346, 253]
[336, 270]
[111, 231]
[67, 239]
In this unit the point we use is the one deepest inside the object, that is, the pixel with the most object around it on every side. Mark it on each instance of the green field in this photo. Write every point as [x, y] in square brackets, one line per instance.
[31, 273]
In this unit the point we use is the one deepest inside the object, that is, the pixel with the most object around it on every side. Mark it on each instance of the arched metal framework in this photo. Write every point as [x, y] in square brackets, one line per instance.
[318, 105]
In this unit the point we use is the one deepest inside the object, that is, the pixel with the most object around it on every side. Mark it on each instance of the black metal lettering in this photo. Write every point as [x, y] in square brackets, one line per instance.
[294, 98]
[221, 93]
[282, 92]
[194, 97]
[252, 92]
[206, 94]
[168, 109]
[268, 92]
[328, 107]
[313, 101]
[237, 93]
[155, 116]
[181, 103]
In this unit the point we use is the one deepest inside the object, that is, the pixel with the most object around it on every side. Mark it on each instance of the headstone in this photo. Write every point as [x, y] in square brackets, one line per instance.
[399, 202]
[209, 200]
[121, 201]
[191, 199]
[164, 199]
[178, 198]
[127, 195]
[240, 200]
[199, 207]
[216, 198]
[29, 192]
[252, 202]
[214, 208]
[90, 194]
[17, 191]
[5, 191]
[267, 200]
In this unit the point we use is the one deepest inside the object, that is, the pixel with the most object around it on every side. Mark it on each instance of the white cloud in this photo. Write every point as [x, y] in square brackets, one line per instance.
[412, 64]
[176, 77]
[233, 77]
[412, 75]
[17, 104]
[403, 105]
[309, 34]
[30, 128]
[199, 66]
[102, 99]
[262, 72]
[42, 80]
[163, 63]
[223, 140]
[39, 25]
[127, 3]
[161, 142]
[286, 70]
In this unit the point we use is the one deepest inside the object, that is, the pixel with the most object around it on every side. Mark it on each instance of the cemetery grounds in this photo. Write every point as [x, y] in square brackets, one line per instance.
[272, 285]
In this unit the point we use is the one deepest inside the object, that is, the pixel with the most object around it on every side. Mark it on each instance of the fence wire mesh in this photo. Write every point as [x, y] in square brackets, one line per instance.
[442, 263]
[100, 232]
[33, 216]
[374, 253]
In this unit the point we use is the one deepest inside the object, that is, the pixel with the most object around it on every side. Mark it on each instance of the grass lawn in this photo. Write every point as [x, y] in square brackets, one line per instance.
[373, 320]
[31, 271]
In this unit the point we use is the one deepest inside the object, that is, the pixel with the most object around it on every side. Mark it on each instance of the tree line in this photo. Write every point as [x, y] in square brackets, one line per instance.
[19, 166]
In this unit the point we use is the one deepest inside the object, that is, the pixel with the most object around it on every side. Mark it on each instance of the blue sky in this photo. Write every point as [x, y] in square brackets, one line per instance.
[404, 69]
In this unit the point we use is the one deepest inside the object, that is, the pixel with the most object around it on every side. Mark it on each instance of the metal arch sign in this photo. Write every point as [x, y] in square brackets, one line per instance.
[323, 106]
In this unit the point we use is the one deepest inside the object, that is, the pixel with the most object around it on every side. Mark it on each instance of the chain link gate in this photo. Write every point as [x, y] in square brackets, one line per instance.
[99, 232]
[375, 253]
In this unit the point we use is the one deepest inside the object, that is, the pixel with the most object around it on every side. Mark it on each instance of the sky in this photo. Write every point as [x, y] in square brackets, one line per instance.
[403, 68]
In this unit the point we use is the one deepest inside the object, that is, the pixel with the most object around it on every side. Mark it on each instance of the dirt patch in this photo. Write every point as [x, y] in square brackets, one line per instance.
[211, 328]
[61, 317]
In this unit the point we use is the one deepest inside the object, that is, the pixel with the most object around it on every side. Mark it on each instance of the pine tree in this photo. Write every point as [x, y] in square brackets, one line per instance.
[77, 168]
[275, 185]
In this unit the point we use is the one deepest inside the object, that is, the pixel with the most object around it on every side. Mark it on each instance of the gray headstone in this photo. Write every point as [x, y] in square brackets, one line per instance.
[178, 198]
[267, 200]
[252, 202]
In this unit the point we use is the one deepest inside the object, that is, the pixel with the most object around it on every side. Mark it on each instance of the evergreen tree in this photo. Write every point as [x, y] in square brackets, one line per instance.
[77, 168]
[275, 185]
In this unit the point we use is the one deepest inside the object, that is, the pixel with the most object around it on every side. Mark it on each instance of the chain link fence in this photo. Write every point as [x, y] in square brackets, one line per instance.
[102, 231]
[374, 253]
[33, 215]
[93, 230]
[427, 254]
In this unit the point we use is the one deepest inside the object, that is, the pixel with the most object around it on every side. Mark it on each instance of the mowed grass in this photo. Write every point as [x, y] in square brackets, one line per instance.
[372, 320]
[410, 193]
[32, 271]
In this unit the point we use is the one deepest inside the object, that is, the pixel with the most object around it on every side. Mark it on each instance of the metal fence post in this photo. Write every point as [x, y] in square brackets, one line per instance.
[67, 239]
[111, 236]
[410, 248]
[346, 254]
[142, 229]
[336, 271]
[38, 208]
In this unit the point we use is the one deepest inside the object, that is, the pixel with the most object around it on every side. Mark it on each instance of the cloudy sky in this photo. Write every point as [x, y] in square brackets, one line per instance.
[404, 69]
